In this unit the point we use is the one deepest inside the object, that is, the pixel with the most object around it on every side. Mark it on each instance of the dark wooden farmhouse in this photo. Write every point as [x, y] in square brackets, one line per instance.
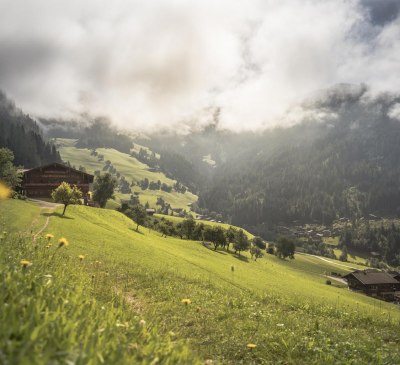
[374, 283]
[395, 274]
[39, 182]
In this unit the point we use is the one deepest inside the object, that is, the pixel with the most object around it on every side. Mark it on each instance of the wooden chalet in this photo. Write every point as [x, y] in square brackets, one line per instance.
[39, 182]
[374, 283]
[395, 274]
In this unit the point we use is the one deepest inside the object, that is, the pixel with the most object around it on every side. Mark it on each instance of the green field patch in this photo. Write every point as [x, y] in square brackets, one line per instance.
[129, 167]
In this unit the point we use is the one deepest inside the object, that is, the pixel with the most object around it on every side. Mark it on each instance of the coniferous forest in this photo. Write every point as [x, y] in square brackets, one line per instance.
[340, 161]
[21, 134]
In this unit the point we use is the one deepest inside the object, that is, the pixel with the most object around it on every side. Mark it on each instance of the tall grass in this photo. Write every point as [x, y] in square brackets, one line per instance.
[57, 308]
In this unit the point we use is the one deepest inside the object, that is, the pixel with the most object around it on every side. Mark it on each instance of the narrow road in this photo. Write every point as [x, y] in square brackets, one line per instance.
[327, 260]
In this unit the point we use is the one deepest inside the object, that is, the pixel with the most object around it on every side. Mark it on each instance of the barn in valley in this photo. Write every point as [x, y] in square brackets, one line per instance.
[39, 182]
[375, 283]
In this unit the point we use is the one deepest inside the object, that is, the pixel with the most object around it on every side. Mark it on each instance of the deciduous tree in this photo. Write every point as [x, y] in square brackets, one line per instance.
[67, 195]
[9, 174]
[241, 242]
[256, 252]
[285, 247]
[138, 214]
[103, 189]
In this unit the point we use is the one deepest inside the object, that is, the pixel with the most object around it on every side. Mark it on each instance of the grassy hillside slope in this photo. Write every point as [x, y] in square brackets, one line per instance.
[55, 311]
[284, 307]
[130, 168]
[21, 216]
[176, 220]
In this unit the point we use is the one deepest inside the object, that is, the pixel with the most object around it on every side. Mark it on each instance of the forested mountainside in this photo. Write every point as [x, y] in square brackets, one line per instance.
[341, 160]
[349, 167]
[21, 134]
[90, 133]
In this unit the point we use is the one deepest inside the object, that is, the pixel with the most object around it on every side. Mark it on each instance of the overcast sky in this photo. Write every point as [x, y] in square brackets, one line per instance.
[149, 63]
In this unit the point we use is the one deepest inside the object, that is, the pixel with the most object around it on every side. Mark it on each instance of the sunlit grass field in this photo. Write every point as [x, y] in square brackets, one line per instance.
[130, 168]
[56, 308]
[283, 307]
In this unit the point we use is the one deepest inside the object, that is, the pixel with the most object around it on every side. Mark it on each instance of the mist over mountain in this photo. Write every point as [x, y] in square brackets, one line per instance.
[22, 135]
[340, 161]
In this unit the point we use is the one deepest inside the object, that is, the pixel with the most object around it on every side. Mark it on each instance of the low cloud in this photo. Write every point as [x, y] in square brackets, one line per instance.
[157, 64]
[394, 112]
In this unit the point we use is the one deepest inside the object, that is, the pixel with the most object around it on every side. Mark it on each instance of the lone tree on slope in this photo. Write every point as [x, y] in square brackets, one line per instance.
[103, 189]
[285, 247]
[67, 195]
[138, 214]
[241, 242]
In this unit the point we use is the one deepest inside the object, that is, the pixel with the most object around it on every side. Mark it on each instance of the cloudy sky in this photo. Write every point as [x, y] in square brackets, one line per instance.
[153, 63]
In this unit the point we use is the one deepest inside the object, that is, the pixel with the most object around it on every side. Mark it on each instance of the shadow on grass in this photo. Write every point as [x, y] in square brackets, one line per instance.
[135, 231]
[220, 252]
[211, 248]
[56, 214]
[241, 258]
[217, 251]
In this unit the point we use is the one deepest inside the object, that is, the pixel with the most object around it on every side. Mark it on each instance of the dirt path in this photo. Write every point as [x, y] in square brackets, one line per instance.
[44, 205]
[42, 229]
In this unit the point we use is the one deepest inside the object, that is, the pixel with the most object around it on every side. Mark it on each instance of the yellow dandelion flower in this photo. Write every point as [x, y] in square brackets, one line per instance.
[5, 191]
[186, 301]
[81, 257]
[251, 346]
[62, 242]
[49, 236]
[25, 263]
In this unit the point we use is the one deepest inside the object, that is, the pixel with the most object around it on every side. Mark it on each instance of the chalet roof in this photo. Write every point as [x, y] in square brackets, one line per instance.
[369, 277]
[56, 164]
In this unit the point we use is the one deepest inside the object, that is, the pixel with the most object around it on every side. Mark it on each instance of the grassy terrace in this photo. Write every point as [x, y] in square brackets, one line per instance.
[130, 168]
[284, 307]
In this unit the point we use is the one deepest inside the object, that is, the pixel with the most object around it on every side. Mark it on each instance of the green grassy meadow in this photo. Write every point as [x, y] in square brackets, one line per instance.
[283, 307]
[130, 168]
